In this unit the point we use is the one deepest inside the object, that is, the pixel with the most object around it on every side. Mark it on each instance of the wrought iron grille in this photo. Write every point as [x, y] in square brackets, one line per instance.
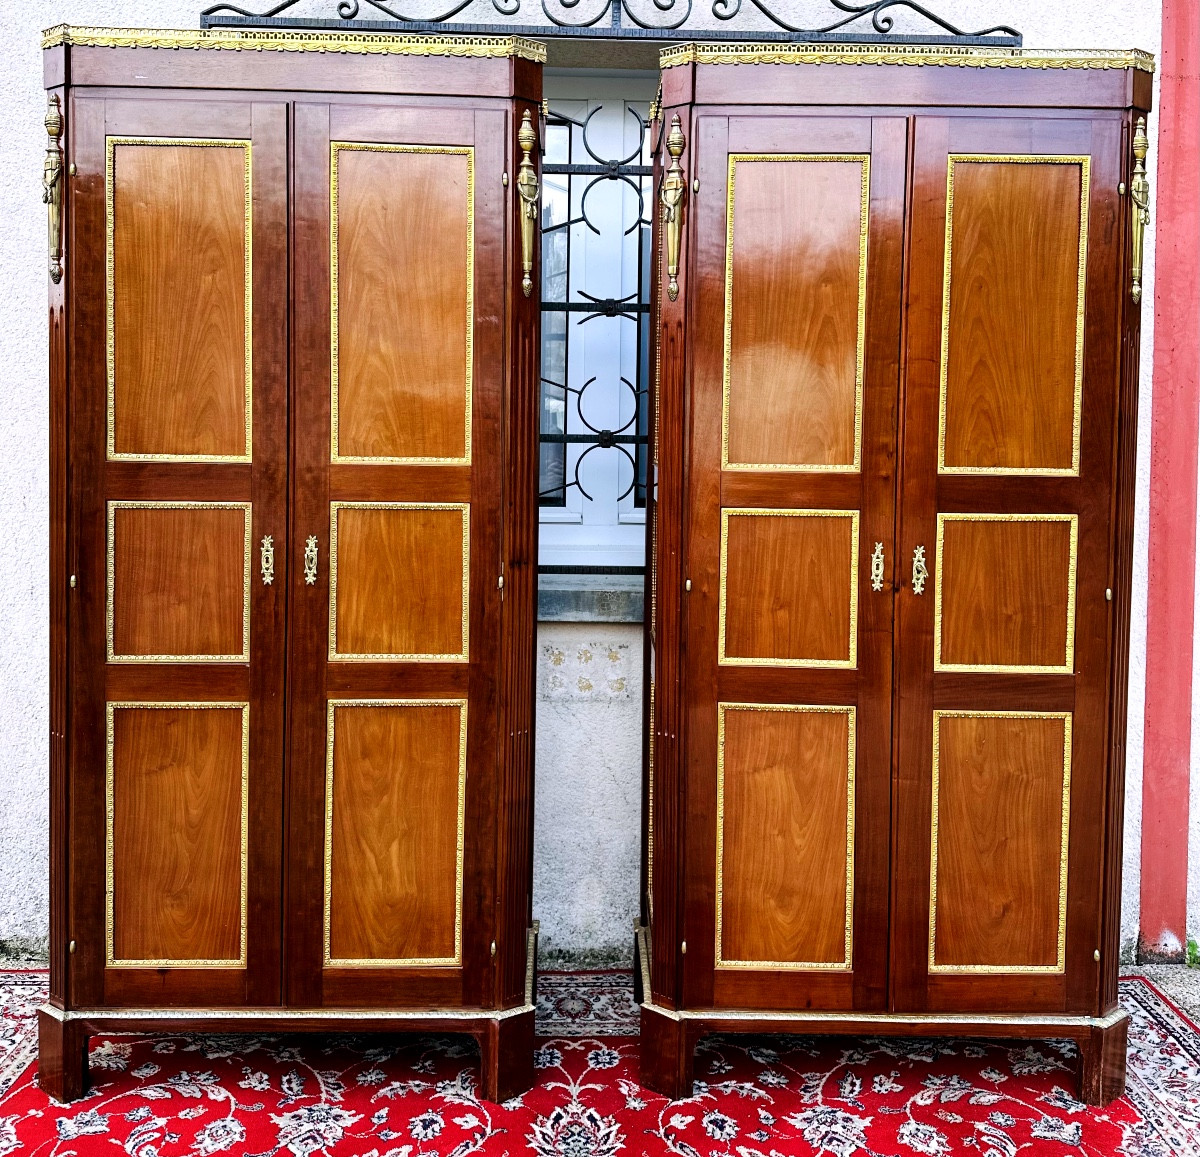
[868, 21]
[572, 170]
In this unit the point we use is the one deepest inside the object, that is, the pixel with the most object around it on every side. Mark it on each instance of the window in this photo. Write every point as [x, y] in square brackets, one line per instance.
[597, 202]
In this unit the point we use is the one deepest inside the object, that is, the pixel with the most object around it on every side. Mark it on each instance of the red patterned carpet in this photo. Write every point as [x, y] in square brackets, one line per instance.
[168, 1096]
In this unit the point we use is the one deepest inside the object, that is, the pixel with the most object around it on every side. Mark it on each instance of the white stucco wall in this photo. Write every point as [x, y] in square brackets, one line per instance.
[586, 846]
[588, 795]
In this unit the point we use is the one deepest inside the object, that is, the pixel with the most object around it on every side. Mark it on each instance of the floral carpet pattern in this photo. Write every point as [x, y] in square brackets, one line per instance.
[171, 1095]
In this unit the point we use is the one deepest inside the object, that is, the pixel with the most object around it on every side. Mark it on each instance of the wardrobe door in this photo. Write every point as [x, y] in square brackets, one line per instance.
[178, 450]
[1013, 360]
[400, 299]
[795, 262]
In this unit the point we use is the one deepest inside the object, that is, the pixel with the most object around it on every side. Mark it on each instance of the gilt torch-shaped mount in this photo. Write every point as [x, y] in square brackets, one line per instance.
[672, 194]
[527, 189]
[1139, 191]
[52, 183]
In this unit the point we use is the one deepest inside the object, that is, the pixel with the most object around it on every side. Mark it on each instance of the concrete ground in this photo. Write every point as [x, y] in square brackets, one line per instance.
[1180, 983]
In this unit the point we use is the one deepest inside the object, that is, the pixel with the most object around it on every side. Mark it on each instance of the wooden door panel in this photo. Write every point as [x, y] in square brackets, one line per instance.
[179, 581]
[395, 788]
[785, 836]
[178, 431]
[180, 300]
[789, 588]
[795, 311]
[790, 488]
[1012, 328]
[399, 581]
[398, 387]
[178, 776]
[1001, 814]
[1008, 472]
[402, 222]
[1004, 592]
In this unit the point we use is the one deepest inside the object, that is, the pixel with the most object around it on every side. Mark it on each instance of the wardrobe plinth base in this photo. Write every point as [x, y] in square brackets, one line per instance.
[1102, 1055]
[667, 1053]
[505, 1037]
[62, 1056]
[669, 1038]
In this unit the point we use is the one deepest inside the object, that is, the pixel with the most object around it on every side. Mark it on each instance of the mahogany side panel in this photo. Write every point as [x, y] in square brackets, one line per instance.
[667, 800]
[1121, 584]
[522, 390]
[60, 564]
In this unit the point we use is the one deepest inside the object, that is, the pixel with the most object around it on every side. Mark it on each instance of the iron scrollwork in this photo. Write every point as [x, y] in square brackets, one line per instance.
[878, 11]
[629, 439]
[867, 20]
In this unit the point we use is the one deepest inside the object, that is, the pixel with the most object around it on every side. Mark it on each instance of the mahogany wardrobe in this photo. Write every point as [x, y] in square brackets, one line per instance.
[891, 540]
[294, 381]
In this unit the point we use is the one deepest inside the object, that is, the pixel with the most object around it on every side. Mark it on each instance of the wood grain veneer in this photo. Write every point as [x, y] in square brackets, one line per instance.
[791, 589]
[1005, 591]
[396, 777]
[179, 580]
[176, 832]
[786, 836]
[1013, 330]
[400, 584]
[403, 222]
[179, 221]
[795, 309]
[1002, 784]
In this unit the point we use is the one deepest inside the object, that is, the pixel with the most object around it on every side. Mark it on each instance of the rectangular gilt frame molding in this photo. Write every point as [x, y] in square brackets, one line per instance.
[1067, 667]
[110, 317]
[725, 660]
[846, 964]
[1001, 969]
[455, 961]
[110, 960]
[336, 656]
[1085, 163]
[111, 579]
[854, 466]
[468, 151]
